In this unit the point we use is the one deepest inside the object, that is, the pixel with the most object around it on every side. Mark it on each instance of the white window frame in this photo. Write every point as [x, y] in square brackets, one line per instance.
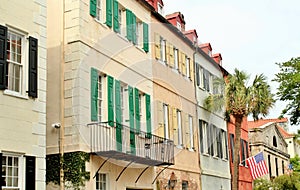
[166, 121]
[163, 50]
[160, 8]
[179, 124]
[205, 137]
[178, 25]
[120, 18]
[100, 98]
[99, 11]
[20, 170]
[22, 63]
[191, 132]
[139, 32]
[176, 59]
[101, 181]
[187, 62]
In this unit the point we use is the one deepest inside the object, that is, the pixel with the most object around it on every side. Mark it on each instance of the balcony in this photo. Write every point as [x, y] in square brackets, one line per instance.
[122, 143]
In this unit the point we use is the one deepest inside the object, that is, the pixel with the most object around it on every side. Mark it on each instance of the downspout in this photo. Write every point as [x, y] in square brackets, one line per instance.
[196, 106]
[62, 103]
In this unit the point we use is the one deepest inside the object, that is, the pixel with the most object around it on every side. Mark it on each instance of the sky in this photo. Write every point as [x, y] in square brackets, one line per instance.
[250, 35]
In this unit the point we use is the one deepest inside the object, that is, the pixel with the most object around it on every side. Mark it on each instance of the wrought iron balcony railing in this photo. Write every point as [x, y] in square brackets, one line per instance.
[122, 143]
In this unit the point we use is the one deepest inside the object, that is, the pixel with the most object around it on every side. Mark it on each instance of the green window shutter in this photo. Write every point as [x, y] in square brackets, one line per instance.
[137, 111]
[93, 7]
[118, 115]
[145, 37]
[131, 108]
[131, 120]
[116, 16]
[134, 39]
[129, 24]
[110, 100]
[148, 115]
[118, 102]
[109, 4]
[94, 94]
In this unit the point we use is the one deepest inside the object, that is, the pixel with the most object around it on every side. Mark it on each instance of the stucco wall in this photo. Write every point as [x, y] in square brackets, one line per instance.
[23, 119]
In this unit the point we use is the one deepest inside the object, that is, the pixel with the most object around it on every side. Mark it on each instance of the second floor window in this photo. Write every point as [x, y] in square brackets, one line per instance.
[176, 59]
[166, 121]
[163, 50]
[15, 60]
[99, 10]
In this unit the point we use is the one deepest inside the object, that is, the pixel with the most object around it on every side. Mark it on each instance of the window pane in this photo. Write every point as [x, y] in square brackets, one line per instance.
[9, 161]
[16, 160]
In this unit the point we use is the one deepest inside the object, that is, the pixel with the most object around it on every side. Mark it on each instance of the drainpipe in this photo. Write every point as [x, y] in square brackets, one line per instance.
[196, 105]
[62, 103]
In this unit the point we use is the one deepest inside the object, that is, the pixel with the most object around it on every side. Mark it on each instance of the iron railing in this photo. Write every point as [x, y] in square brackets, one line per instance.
[136, 146]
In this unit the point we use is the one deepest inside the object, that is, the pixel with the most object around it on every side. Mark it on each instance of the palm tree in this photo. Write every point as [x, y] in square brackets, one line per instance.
[241, 101]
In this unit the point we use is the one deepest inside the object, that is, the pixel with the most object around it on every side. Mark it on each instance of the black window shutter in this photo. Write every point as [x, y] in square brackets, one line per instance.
[33, 67]
[3, 57]
[1, 179]
[201, 135]
[197, 75]
[30, 173]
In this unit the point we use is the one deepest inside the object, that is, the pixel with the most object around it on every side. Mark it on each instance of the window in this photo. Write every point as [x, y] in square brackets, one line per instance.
[203, 137]
[11, 172]
[224, 144]
[101, 181]
[282, 166]
[179, 128]
[187, 62]
[274, 141]
[175, 59]
[160, 9]
[100, 98]
[15, 61]
[120, 12]
[163, 49]
[201, 73]
[219, 143]
[231, 146]
[276, 166]
[206, 80]
[99, 10]
[191, 131]
[178, 25]
[166, 121]
[139, 32]
[270, 167]
[244, 152]
[185, 185]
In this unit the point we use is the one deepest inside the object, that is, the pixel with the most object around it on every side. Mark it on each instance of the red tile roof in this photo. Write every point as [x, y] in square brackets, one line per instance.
[261, 122]
[205, 45]
[284, 133]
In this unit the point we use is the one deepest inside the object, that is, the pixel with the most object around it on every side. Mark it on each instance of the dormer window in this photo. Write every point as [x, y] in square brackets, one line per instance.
[178, 25]
[160, 8]
[209, 53]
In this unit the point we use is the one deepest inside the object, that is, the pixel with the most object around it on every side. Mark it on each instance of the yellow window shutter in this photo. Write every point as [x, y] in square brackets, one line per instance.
[160, 119]
[192, 69]
[183, 64]
[175, 125]
[157, 46]
[179, 61]
[172, 63]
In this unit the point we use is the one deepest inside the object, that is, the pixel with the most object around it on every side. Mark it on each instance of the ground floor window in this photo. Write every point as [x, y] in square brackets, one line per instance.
[11, 172]
[101, 181]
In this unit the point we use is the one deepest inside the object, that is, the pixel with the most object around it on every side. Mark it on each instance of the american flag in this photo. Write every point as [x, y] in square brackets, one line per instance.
[257, 165]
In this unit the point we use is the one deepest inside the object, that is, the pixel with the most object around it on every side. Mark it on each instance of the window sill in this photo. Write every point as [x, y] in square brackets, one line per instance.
[179, 147]
[122, 37]
[15, 94]
[216, 158]
[191, 149]
[205, 154]
[140, 49]
[102, 24]
[162, 62]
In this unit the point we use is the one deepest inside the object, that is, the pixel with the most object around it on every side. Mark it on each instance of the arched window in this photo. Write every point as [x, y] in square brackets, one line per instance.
[274, 141]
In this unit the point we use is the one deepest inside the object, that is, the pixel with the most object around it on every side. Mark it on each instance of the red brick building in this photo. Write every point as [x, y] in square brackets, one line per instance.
[245, 179]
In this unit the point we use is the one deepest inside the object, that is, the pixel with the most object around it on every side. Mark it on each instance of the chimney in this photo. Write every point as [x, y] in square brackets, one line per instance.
[192, 35]
[206, 48]
[177, 20]
[217, 58]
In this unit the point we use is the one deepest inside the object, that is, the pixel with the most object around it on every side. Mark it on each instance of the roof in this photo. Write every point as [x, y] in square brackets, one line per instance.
[262, 122]
[205, 45]
[284, 133]
[191, 31]
[217, 55]
[176, 14]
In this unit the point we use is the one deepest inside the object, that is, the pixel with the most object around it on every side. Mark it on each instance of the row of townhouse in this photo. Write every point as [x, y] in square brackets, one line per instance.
[114, 84]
